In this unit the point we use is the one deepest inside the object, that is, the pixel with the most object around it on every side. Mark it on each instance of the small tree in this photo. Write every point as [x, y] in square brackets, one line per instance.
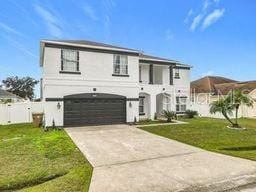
[238, 98]
[232, 102]
[169, 115]
[222, 106]
[23, 87]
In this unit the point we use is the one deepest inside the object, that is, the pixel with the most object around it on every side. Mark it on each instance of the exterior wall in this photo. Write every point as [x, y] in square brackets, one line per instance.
[96, 72]
[94, 66]
[19, 112]
[155, 90]
[184, 80]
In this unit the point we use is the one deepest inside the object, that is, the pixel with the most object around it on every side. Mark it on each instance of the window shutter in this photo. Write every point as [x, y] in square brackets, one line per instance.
[62, 60]
[77, 61]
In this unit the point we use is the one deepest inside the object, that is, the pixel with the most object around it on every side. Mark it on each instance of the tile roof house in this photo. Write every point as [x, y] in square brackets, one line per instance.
[210, 88]
[208, 84]
[217, 85]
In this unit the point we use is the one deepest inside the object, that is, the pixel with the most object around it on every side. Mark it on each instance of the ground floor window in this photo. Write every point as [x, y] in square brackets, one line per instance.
[181, 104]
[141, 106]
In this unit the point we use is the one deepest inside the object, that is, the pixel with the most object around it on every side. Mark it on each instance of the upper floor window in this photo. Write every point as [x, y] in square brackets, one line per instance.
[121, 64]
[69, 60]
[176, 73]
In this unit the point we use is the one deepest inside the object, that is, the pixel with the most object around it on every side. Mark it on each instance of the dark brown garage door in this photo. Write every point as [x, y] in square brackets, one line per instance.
[94, 109]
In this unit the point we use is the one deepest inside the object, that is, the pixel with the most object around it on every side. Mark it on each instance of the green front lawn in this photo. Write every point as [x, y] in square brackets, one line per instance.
[149, 122]
[33, 160]
[213, 135]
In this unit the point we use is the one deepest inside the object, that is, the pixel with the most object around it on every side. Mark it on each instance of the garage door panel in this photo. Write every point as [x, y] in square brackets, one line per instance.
[79, 112]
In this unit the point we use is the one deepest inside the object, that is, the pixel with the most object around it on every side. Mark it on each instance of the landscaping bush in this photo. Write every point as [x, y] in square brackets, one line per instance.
[169, 115]
[190, 114]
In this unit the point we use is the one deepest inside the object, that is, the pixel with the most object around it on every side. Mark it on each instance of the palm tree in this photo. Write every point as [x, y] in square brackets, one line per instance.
[238, 98]
[222, 106]
[169, 115]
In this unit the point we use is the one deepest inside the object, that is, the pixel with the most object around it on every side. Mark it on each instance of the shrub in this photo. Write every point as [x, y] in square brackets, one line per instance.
[169, 115]
[190, 113]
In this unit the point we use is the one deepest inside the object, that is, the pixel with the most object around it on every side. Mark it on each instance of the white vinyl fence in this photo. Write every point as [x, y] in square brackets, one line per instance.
[12, 113]
[204, 111]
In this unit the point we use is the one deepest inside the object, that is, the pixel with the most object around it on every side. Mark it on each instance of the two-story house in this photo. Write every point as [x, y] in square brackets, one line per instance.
[89, 83]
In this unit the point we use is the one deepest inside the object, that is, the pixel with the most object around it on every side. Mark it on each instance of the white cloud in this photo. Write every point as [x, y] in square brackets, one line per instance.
[206, 4]
[9, 29]
[212, 18]
[108, 7]
[89, 11]
[19, 46]
[169, 35]
[24, 13]
[189, 14]
[203, 17]
[196, 22]
[54, 25]
[208, 73]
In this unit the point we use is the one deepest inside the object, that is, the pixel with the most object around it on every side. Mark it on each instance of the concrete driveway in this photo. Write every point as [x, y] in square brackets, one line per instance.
[127, 159]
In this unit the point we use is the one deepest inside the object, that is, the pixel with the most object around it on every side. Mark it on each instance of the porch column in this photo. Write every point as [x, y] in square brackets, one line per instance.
[152, 105]
[151, 74]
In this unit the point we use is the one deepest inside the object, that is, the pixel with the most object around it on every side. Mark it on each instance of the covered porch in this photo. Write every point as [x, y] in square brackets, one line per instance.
[153, 105]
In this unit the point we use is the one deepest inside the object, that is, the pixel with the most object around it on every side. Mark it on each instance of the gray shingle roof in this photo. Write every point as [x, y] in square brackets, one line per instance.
[144, 56]
[97, 44]
[92, 43]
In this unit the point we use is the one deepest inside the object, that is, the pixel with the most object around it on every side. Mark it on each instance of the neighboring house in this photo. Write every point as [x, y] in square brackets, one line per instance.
[204, 90]
[7, 96]
[89, 83]
[211, 88]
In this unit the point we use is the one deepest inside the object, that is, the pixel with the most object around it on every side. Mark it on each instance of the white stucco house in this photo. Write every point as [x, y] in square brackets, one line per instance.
[89, 83]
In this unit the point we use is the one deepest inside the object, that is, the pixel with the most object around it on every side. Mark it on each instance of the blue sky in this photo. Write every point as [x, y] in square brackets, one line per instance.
[217, 37]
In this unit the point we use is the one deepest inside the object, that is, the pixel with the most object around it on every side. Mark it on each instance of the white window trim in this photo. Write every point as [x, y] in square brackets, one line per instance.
[123, 65]
[176, 73]
[180, 104]
[75, 61]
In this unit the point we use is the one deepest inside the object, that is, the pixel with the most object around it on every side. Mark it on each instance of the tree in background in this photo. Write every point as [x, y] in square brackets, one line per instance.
[23, 87]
